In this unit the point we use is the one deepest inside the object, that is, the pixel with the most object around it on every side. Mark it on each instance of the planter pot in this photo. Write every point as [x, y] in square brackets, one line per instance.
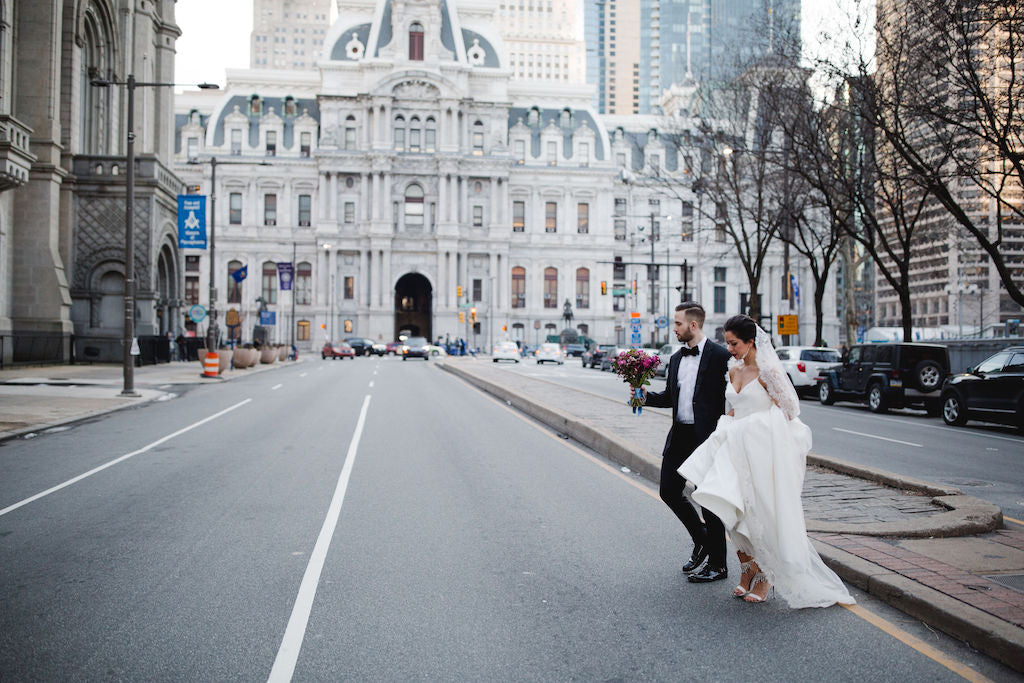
[240, 357]
[268, 354]
[282, 353]
[224, 362]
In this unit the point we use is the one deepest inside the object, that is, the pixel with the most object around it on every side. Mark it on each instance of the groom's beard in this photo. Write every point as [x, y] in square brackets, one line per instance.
[686, 336]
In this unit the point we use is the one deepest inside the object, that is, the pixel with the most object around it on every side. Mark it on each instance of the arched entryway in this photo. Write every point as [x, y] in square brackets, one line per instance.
[166, 292]
[413, 306]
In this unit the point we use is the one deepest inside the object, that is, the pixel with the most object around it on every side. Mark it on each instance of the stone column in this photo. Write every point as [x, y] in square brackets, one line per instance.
[323, 191]
[386, 293]
[375, 279]
[334, 198]
[453, 276]
[363, 281]
[375, 199]
[364, 198]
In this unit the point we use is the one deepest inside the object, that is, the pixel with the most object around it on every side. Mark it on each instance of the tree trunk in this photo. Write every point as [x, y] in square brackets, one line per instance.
[819, 313]
[908, 320]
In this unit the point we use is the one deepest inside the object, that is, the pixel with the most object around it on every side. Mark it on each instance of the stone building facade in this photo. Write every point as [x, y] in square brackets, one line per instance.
[62, 197]
[429, 170]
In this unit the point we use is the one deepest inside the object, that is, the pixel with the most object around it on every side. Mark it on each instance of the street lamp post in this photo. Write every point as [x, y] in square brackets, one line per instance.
[128, 388]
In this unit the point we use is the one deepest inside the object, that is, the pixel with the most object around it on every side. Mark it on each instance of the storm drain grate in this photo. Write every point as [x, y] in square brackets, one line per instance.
[1014, 581]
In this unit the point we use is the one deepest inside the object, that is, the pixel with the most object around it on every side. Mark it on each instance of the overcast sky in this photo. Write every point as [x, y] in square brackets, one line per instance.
[215, 34]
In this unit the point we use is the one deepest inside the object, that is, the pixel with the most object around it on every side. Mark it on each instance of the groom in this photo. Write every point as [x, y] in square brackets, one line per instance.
[695, 391]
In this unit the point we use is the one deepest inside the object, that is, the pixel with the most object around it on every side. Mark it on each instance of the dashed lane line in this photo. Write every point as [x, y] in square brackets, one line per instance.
[276, 387]
[875, 436]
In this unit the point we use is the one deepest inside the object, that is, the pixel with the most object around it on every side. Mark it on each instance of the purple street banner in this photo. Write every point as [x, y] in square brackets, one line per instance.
[191, 221]
[285, 272]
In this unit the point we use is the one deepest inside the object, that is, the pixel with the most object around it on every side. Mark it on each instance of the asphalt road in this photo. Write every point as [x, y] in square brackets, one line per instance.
[377, 520]
[986, 461]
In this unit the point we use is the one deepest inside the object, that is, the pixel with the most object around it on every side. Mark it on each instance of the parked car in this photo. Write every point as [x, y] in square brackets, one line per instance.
[416, 347]
[803, 364]
[609, 356]
[665, 353]
[591, 358]
[359, 345]
[549, 353]
[394, 348]
[436, 350]
[378, 348]
[574, 350]
[991, 391]
[338, 349]
[892, 375]
[505, 350]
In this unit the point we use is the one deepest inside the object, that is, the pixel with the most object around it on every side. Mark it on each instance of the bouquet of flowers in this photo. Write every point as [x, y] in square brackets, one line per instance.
[637, 368]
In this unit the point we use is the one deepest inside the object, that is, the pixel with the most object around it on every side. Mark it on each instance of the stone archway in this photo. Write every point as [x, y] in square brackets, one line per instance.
[166, 291]
[414, 301]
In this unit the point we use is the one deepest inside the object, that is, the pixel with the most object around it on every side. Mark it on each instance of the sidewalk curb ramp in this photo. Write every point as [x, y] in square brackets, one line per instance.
[966, 515]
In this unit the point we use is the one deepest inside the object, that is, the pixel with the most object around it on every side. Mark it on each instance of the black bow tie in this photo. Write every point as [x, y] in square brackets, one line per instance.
[687, 351]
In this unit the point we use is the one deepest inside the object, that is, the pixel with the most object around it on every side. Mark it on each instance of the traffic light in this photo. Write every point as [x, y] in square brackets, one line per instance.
[634, 286]
[323, 326]
[504, 328]
[604, 287]
[472, 314]
[458, 291]
[462, 316]
[193, 189]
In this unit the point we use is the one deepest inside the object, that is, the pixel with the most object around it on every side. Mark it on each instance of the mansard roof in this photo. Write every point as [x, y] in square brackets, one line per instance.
[302, 105]
[552, 117]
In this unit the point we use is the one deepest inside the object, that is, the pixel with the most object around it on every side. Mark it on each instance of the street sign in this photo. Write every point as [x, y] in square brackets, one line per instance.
[789, 324]
[661, 322]
[197, 313]
[620, 292]
[191, 221]
[268, 317]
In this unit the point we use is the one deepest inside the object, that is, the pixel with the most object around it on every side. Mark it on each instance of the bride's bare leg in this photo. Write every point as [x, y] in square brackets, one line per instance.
[759, 587]
[748, 568]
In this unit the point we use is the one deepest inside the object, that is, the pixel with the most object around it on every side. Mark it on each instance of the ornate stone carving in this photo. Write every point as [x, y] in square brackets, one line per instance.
[416, 90]
[475, 54]
[355, 48]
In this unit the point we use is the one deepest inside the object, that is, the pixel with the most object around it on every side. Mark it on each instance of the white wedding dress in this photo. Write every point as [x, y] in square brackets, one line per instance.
[750, 472]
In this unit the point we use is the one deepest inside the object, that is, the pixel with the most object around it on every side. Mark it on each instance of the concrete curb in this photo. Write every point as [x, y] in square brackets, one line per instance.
[982, 631]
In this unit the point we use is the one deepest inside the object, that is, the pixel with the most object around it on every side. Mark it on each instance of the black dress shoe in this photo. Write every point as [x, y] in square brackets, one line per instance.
[696, 559]
[708, 574]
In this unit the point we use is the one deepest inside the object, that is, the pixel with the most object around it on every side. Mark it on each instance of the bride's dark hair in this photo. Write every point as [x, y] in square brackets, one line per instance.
[743, 326]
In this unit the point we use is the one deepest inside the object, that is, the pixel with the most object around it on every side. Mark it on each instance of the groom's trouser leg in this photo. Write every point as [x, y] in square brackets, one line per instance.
[673, 485]
[715, 538]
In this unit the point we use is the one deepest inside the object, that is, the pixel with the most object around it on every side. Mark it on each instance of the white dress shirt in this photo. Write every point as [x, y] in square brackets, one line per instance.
[687, 378]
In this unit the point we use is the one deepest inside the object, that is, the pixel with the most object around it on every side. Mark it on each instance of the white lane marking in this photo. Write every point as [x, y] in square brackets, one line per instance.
[291, 643]
[371, 384]
[303, 374]
[164, 386]
[874, 436]
[124, 457]
[276, 387]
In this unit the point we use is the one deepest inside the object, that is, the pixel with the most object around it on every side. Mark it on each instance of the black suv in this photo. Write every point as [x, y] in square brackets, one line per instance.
[894, 375]
[992, 391]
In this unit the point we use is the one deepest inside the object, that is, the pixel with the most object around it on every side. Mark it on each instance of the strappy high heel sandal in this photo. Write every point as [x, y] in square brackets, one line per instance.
[739, 591]
[759, 578]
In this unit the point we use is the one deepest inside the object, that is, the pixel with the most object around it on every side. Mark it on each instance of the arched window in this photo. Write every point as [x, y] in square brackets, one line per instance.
[550, 288]
[350, 132]
[518, 287]
[304, 284]
[414, 134]
[565, 120]
[416, 42]
[582, 288]
[399, 134]
[414, 207]
[478, 138]
[269, 288]
[533, 117]
[97, 104]
[430, 136]
[255, 107]
[234, 287]
[289, 106]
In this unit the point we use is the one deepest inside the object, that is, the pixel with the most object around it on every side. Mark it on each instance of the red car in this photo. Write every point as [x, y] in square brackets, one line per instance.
[339, 349]
[394, 348]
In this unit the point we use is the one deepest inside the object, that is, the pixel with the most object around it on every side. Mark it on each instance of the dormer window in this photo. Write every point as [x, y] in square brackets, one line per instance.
[236, 142]
[565, 120]
[416, 42]
[289, 106]
[271, 143]
[304, 143]
[255, 107]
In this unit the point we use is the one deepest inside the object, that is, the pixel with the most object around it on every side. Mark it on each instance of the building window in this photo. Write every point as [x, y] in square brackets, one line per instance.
[192, 289]
[620, 229]
[518, 216]
[304, 284]
[620, 206]
[430, 136]
[191, 264]
[552, 153]
[582, 288]
[416, 42]
[414, 206]
[193, 148]
[619, 302]
[399, 133]
[305, 209]
[584, 153]
[289, 106]
[235, 208]
[302, 330]
[270, 209]
[550, 287]
[620, 159]
[269, 288]
[719, 299]
[518, 287]
[304, 143]
[478, 290]
[254, 105]
[236, 142]
[478, 216]
[234, 287]
[350, 212]
[550, 217]
[271, 143]
[583, 218]
[350, 287]
[520, 150]
[414, 134]
[478, 139]
[720, 273]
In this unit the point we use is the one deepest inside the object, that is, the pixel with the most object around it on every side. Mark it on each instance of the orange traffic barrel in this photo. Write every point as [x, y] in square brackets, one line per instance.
[210, 364]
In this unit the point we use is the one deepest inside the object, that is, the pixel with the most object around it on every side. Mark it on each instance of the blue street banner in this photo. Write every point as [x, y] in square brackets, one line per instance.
[285, 272]
[796, 289]
[191, 221]
[268, 317]
[240, 274]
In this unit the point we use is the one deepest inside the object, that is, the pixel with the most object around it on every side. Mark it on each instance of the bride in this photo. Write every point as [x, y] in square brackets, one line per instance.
[750, 472]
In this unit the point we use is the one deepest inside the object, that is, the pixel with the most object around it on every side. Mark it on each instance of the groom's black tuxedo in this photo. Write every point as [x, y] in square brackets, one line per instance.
[683, 439]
